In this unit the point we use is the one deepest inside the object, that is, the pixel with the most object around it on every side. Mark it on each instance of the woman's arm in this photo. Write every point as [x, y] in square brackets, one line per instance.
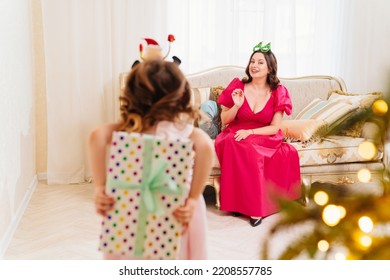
[271, 129]
[274, 126]
[228, 114]
[203, 162]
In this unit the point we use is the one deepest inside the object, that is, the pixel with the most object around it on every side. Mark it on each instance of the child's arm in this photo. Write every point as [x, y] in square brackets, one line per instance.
[99, 140]
[203, 163]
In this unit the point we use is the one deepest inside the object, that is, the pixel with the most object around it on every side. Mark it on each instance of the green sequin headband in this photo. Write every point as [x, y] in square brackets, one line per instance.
[261, 48]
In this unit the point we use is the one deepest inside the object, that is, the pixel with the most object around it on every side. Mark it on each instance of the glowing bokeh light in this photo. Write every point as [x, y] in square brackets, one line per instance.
[364, 175]
[366, 241]
[366, 224]
[321, 198]
[323, 245]
[380, 107]
[331, 215]
[367, 150]
[343, 212]
[339, 256]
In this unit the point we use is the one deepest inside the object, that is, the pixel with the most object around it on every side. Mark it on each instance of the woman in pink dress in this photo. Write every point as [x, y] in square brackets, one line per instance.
[257, 167]
[156, 101]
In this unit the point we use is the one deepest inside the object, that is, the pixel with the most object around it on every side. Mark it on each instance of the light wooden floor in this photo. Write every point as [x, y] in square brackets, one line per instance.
[60, 223]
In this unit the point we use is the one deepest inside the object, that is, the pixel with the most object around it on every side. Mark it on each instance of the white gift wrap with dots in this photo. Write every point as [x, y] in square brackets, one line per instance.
[142, 224]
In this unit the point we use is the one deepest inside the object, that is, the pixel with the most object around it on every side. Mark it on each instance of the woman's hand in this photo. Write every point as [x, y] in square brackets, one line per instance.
[185, 213]
[242, 134]
[103, 202]
[238, 97]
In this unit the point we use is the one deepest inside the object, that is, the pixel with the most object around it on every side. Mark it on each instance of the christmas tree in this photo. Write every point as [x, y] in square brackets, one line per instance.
[352, 226]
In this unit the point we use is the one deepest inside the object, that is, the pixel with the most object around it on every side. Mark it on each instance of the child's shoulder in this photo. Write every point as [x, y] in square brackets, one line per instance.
[198, 136]
[103, 133]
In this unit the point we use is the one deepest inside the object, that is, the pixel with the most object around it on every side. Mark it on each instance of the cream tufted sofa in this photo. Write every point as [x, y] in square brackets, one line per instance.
[332, 159]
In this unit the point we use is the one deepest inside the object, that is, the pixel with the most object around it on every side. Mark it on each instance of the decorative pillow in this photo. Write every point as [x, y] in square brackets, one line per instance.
[317, 119]
[302, 130]
[215, 92]
[210, 118]
[326, 110]
[354, 126]
[362, 100]
[199, 95]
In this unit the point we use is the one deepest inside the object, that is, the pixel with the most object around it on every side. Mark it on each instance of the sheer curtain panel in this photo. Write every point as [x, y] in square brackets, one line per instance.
[88, 43]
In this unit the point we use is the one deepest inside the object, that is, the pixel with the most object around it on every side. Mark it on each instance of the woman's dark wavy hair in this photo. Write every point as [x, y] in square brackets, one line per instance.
[156, 90]
[272, 78]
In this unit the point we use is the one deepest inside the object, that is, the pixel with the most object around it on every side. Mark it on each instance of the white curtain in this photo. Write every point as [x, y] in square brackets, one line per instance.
[89, 42]
[347, 38]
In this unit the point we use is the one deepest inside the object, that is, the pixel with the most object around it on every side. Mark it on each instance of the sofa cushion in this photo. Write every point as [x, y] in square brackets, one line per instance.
[199, 95]
[328, 110]
[317, 119]
[333, 149]
[355, 124]
[215, 92]
[362, 100]
[302, 130]
[209, 121]
[304, 90]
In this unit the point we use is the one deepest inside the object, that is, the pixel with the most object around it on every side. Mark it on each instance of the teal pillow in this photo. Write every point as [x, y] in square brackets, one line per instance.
[210, 118]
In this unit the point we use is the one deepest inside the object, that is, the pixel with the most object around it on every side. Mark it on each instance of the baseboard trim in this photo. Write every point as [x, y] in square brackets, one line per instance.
[42, 176]
[17, 217]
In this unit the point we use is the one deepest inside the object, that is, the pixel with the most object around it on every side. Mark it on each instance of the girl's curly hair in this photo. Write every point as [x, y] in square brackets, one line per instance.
[156, 90]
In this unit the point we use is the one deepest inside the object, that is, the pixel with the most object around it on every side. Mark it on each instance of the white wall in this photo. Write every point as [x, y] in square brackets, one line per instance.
[365, 56]
[17, 137]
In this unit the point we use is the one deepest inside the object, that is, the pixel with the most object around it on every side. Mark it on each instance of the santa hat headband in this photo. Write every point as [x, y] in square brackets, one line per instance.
[152, 43]
[153, 49]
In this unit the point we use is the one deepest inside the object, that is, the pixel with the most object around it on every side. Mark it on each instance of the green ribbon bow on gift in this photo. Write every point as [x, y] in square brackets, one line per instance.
[154, 182]
[261, 48]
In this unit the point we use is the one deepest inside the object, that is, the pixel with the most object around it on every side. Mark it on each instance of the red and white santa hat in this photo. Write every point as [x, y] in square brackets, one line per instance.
[152, 43]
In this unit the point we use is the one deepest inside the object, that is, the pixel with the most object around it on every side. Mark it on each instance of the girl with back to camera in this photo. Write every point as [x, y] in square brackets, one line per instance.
[257, 167]
[156, 101]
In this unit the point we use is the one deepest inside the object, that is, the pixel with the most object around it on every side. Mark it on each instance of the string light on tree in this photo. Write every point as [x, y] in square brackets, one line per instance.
[332, 214]
[323, 245]
[366, 224]
[365, 241]
[339, 256]
[380, 107]
[343, 212]
[321, 198]
[367, 150]
[364, 175]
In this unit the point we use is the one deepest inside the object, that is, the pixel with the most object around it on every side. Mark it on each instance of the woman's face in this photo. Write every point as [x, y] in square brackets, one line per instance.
[258, 67]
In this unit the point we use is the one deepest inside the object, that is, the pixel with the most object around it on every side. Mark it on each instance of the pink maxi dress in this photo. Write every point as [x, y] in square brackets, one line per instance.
[259, 170]
[193, 245]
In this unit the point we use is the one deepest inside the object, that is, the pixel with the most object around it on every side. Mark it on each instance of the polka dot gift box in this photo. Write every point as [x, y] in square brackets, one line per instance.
[148, 176]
